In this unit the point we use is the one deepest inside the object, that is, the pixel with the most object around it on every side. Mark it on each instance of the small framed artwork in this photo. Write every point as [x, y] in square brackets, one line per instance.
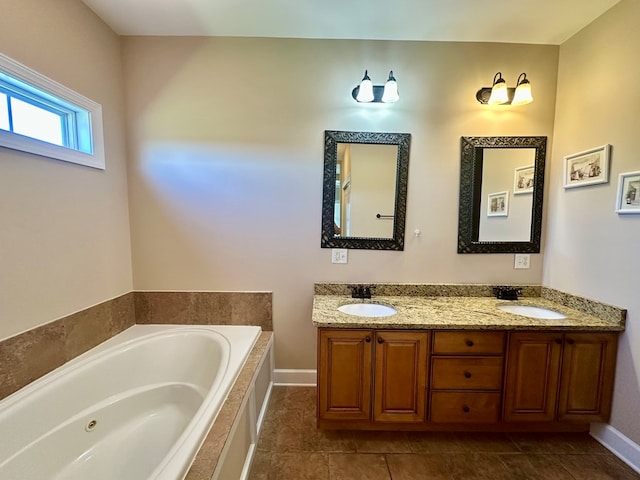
[587, 168]
[628, 198]
[498, 204]
[523, 180]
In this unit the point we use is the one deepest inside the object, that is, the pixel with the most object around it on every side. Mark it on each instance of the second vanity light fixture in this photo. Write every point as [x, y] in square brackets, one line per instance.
[500, 94]
[367, 92]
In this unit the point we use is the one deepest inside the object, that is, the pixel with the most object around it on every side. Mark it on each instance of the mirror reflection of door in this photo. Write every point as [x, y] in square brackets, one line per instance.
[365, 190]
[503, 169]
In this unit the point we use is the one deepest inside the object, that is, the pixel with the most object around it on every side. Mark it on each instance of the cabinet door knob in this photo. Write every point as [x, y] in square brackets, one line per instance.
[465, 409]
[367, 339]
[467, 374]
[380, 340]
[570, 341]
[469, 343]
[559, 341]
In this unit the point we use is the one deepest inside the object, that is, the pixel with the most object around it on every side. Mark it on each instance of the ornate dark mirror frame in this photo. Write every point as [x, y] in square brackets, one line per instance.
[331, 140]
[472, 149]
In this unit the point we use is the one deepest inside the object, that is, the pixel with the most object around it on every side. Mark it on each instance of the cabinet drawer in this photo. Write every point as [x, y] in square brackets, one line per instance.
[471, 342]
[461, 373]
[462, 407]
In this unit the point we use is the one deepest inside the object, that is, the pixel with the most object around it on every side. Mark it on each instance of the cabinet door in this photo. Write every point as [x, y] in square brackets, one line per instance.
[586, 382]
[344, 374]
[400, 376]
[532, 374]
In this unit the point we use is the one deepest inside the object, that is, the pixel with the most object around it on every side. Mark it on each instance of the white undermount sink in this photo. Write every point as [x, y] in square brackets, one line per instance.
[367, 310]
[531, 311]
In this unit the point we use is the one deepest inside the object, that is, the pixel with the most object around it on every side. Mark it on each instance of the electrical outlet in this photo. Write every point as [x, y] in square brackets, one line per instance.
[338, 255]
[522, 260]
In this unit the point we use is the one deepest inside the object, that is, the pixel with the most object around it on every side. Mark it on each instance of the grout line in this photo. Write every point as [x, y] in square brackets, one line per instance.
[388, 468]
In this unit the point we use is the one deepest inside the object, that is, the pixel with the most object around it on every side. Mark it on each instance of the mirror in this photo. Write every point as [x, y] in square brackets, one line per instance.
[501, 192]
[364, 190]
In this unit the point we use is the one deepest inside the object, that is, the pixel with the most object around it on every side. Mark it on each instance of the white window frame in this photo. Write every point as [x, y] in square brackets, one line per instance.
[23, 143]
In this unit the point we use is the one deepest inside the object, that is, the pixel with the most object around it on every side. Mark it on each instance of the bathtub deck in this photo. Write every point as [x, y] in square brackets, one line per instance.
[209, 454]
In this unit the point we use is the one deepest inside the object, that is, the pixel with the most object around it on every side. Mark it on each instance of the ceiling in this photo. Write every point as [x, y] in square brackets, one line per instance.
[514, 21]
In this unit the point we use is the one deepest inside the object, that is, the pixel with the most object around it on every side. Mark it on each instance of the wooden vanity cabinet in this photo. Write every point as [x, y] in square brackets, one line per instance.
[559, 376]
[498, 380]
[372, 375]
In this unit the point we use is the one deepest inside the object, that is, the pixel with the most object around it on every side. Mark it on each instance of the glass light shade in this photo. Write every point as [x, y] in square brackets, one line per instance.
[523, 94]
[390, 93]
[499, 94]
[365, 91]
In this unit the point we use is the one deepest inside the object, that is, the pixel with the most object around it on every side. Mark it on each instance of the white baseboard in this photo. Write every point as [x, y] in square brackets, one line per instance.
[305, 378]
[621, 446]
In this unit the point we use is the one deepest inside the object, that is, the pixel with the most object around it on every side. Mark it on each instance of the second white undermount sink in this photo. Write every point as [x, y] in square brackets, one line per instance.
[367, 310]
[531, 311]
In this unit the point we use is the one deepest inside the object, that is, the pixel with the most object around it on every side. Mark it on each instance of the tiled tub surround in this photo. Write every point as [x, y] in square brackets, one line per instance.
[440, 306]
[205, 308]
[32, 354]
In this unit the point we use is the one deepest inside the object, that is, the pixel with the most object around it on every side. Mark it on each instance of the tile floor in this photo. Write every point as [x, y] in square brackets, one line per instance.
[291, 448]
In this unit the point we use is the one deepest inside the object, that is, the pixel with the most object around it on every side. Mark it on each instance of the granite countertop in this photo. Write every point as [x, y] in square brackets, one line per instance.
[468, 312]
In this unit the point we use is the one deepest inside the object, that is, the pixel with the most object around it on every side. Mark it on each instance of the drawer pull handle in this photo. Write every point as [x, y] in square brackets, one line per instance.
[465, 409]
[380, 340]
[569, 341]
[469, 343]
[367, 339]
[467, 374]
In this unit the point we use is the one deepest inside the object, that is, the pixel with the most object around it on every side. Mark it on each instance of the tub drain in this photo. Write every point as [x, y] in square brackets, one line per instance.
[91, 425]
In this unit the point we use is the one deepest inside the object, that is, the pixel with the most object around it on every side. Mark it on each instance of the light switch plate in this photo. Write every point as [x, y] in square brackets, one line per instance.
[338, 255]
[522, 260]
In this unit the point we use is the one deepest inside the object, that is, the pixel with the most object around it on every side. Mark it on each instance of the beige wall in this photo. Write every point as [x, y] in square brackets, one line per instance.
[64, 240]
[591, 251]
[226, 158]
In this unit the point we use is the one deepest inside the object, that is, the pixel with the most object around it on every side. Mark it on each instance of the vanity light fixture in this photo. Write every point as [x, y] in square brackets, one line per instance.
[500, 94]
[522, 96]
[367, 92]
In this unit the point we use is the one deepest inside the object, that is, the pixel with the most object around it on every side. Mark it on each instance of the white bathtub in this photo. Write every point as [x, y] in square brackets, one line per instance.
[136, 407]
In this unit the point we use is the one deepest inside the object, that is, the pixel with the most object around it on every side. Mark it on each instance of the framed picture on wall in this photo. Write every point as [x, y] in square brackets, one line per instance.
[523, 179]
[498, 204]
[628, 197]
[587, 168]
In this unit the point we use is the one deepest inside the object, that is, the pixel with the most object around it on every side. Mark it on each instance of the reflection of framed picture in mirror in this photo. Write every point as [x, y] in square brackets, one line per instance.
[587, 168]
[523, 179]
[498, 204]
[628, 197]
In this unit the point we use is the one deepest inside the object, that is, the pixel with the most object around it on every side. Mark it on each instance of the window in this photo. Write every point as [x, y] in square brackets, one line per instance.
[40, 116]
